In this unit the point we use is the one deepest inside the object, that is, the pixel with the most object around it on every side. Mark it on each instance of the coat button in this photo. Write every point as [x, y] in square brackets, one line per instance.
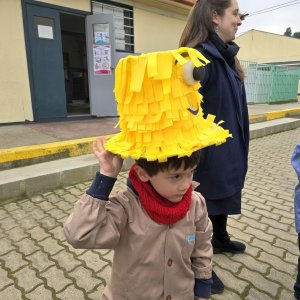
[170, 262]
[169, 297]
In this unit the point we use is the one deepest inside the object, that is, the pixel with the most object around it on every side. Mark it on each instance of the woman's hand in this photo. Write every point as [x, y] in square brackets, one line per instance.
[110, 164]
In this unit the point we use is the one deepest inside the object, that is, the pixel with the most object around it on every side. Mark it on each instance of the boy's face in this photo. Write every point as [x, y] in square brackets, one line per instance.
[170, 184]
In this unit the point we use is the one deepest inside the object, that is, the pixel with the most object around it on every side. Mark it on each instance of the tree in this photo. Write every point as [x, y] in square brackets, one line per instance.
[288, 32]
[296, 35]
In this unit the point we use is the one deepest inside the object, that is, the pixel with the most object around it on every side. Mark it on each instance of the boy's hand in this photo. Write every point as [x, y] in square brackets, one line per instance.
[110, 164]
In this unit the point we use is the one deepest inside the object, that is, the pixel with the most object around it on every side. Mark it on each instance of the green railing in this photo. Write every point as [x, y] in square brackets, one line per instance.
[267, 83]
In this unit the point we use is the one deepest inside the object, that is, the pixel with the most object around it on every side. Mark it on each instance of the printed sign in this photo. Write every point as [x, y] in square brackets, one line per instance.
[102, 59]
[45, 32]
[101, 38]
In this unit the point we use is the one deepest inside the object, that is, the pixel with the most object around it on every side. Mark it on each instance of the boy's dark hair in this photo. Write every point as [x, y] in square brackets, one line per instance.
[175, 162]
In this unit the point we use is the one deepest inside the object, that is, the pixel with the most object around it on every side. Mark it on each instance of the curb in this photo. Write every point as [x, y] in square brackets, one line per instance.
[292, 112]
[258, 130]
[29, 155]
[39, 178]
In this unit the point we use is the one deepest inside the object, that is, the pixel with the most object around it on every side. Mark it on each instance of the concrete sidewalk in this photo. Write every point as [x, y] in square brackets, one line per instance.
[65, 156]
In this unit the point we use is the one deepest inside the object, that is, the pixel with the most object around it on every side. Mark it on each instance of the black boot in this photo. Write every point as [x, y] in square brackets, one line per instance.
[221, 241]
[297, 283]
[217, 286]
[230, 246]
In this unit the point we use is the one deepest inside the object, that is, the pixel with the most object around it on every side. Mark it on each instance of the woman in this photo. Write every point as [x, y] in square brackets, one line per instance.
[296, 165]
[211, 28]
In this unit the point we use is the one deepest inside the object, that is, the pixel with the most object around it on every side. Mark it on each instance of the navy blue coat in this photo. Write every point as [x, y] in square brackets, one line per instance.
[296, 165]
[223, 168]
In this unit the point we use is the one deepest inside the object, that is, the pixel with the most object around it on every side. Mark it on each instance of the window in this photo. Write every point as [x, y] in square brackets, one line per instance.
[123, 19]
[44, 28]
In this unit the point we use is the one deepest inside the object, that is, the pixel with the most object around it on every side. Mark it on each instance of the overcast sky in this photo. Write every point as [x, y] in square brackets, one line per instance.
[275, 21]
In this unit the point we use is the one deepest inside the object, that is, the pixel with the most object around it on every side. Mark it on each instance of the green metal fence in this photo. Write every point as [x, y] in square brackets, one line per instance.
[266, 83]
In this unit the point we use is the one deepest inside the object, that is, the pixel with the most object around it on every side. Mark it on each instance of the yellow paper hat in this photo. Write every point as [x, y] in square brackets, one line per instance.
[160, 114]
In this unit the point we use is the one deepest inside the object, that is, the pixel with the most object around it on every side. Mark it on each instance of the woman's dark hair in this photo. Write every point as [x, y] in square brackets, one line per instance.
[199, 25]
[153, 167]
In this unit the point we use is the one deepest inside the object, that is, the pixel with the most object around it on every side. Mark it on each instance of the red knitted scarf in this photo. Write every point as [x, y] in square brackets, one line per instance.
[157, 207]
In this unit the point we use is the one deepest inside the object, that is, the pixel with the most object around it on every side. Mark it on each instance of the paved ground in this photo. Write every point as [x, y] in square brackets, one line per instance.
[37, 263]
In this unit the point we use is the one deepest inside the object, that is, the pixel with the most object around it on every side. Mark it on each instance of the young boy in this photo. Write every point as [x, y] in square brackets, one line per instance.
[296, 165]
[158, 227]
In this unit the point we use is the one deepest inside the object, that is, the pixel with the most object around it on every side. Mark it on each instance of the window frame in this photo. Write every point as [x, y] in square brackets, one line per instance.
[124, 30]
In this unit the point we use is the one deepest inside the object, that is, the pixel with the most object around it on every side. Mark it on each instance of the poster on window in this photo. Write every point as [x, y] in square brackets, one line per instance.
[101, 38]
[101, 33]
[102, 59]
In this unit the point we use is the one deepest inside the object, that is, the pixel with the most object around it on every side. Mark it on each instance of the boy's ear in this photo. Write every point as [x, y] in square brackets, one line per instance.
[142, 174]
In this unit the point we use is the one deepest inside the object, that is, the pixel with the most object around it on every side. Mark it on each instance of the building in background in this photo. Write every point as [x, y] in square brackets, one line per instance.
[58, 56]
[265, 47]
[272, 64]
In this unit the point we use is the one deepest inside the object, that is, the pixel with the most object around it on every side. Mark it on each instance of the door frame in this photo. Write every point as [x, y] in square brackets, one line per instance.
[60, 9]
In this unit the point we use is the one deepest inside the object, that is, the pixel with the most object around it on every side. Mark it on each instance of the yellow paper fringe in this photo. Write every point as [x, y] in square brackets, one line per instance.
[153, 104]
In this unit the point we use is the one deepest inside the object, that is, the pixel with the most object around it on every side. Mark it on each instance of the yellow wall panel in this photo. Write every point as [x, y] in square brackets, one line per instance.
[15, 99]
[84, 5]
[156, 32]
[265, 47]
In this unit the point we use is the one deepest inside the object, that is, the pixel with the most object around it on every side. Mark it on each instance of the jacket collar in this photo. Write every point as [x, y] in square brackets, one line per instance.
[211, 49]
[227, 50]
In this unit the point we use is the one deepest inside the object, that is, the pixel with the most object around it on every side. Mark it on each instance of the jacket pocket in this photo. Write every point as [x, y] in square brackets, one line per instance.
[189, 244]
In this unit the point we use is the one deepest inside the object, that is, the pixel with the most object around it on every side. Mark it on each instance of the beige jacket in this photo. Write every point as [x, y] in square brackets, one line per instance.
[151, 261]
